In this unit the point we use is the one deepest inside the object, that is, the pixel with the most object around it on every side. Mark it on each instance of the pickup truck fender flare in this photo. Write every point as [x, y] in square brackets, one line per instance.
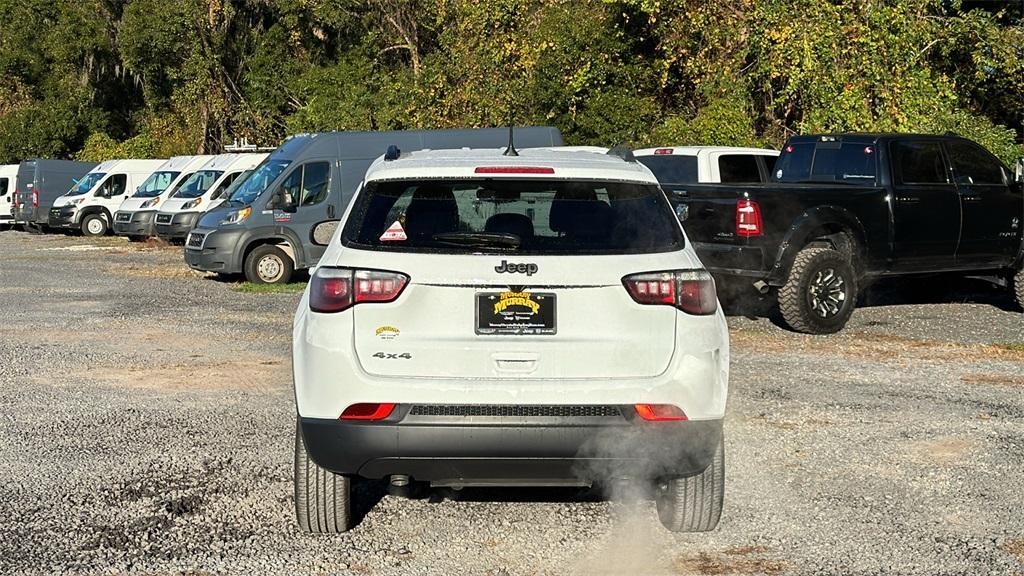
[808, 227]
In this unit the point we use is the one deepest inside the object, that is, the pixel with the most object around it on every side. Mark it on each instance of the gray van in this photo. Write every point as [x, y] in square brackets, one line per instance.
[265, 229]
[39, 183]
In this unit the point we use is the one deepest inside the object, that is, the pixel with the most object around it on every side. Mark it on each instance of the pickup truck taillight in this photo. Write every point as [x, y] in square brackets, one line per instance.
[748, 218]
[692, 291]
[337, 289]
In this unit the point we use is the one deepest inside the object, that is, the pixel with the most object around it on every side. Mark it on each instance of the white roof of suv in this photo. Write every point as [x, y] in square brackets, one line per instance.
[699, 150]
[550, 163]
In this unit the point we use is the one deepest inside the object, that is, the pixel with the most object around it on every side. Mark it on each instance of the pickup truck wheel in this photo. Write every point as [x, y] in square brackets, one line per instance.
[1018, 288]
[820, 292]
[94, 225]
[268, 264]
[323, 499]
[693, 503]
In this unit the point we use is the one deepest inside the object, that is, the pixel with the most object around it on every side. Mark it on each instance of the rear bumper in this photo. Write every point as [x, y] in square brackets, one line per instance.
[178, 227]
[139, 223]
[744, 261]
[497, 450]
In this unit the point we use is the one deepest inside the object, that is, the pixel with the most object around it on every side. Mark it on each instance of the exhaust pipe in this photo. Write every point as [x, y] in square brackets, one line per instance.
[399, 480]
[761, 287]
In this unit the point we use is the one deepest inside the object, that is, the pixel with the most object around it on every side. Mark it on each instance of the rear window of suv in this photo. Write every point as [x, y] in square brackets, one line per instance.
[521, 216]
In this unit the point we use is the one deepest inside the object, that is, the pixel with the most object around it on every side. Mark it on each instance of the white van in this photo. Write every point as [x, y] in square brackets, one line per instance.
[90, 204]
[135, 217]
[202, 191]
[8, 181]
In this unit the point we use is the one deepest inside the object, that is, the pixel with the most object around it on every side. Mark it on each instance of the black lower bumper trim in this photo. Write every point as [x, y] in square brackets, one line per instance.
[472, 449]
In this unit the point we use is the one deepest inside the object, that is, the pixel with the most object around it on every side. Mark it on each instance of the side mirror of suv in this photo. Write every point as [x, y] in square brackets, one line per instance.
[323, 232]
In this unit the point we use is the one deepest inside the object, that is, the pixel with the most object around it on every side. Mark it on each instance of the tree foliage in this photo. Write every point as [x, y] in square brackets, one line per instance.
[104, 78]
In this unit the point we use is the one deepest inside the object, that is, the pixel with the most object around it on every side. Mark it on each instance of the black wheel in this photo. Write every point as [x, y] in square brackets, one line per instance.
[693, 503]
[323, 499]
[820, 293]
[1018, 288]
[94, 225]
[268, 264]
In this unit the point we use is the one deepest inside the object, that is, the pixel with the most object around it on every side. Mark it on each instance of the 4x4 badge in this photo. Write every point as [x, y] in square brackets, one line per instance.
[509, 268]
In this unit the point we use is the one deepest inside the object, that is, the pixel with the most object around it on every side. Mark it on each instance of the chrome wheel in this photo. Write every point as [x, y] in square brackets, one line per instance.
[827, 293]
[270, 268]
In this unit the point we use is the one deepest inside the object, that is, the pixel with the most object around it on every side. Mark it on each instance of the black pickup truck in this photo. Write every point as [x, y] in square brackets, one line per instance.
[841, 210]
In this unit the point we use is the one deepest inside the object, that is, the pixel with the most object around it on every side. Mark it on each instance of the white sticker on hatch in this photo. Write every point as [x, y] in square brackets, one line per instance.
[395, 233]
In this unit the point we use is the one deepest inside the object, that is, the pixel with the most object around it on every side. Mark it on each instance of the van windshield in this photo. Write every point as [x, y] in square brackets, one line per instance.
[198, 183]
[525, 216]
[156, 184]
[86, 183]
[258, 181]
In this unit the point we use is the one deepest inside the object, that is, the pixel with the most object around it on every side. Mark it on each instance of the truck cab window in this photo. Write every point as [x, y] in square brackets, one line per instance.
[919, 163]
[739, 169]
[974, 165]
[672, 169]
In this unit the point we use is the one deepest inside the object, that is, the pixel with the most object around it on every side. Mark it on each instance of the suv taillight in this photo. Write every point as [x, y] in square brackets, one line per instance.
[692, 291]
[748, 218]
[337, 289]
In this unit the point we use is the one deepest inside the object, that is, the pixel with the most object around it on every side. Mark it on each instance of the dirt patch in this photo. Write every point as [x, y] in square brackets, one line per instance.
[993, 379]
[731, 561]
[155, 271]
[885, 347]
[1015, 547]
[805, 424]
[240, 372]
[942, 452]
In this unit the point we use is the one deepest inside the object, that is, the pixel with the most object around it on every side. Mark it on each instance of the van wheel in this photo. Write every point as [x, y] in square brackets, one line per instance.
[693, 503]
[268, 264]
[323, 499]
[94, 225]
[1018, 288]
[820, 291]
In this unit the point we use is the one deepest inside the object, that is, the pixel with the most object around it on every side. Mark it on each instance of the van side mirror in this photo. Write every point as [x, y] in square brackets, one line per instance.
[323, 232]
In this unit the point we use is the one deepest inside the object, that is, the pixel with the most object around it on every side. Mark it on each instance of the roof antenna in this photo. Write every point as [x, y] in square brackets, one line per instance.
[511, 150]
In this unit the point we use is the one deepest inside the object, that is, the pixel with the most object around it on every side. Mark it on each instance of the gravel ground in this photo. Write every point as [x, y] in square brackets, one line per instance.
[147, 428]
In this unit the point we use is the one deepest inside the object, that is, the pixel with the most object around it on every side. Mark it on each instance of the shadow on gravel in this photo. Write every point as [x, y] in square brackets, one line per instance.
[740, 299]
[514, 494]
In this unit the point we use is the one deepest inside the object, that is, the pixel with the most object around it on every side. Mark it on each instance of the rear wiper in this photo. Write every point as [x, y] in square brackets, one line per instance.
[482, 239]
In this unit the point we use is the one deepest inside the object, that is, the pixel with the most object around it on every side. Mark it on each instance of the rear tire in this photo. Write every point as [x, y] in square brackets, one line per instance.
[694, 503]
[94, 225]
[820, 292]
[268, 264]
[1018, 288]
[323, 499]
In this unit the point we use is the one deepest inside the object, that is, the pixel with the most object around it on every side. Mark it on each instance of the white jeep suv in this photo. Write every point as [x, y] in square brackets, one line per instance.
[489, 319]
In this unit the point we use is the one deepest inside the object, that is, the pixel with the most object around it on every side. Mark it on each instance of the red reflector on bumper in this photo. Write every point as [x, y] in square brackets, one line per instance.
[367, 411]
[659, 412]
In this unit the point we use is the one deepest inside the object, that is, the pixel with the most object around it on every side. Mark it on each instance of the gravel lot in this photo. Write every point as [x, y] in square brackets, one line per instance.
[147, 419]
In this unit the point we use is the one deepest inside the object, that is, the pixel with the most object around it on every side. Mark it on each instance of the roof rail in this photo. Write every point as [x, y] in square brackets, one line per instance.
[622, 152]
[392, 154]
